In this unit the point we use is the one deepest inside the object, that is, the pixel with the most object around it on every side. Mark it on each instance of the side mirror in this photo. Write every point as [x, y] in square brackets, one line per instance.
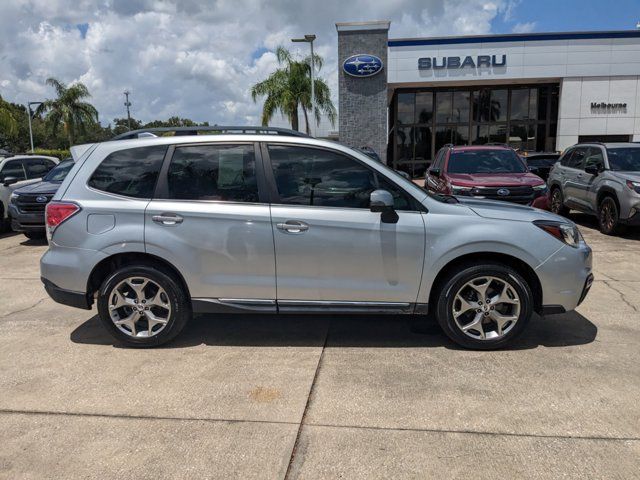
[434, 172]
[9, 181]
[592, 170]
[381, 201]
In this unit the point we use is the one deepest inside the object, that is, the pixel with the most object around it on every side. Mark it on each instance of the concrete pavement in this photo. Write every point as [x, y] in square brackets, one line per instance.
[323, 396]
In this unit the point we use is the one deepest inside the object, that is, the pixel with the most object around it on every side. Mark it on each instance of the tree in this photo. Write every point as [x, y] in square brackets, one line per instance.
[68, 110]
[289, 88]
[8, 123]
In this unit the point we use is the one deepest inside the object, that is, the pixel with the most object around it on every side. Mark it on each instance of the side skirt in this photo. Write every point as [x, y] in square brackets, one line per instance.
[252, 305]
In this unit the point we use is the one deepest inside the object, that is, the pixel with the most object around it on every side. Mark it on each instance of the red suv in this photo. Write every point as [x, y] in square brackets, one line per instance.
[493, 172]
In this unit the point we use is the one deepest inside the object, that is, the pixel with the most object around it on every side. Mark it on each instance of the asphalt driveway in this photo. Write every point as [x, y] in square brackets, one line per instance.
[322, 396]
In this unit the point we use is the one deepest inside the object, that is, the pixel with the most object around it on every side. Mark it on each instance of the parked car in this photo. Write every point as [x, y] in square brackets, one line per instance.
[540, 163]
[602, 179]
[28, 203]
[494, 172]
[156, 229]
[18, 171]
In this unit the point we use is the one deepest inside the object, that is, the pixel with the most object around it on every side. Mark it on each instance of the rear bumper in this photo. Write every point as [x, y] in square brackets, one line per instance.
[25, 222]
[67, 297]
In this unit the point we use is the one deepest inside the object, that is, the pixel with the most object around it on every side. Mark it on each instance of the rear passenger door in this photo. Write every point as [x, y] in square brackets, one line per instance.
[209, 219]
[587, 183]
[573, 173]
[15, 169]
[330, 248]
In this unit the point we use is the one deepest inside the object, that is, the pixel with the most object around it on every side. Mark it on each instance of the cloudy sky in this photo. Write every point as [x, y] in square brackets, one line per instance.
[198, 58]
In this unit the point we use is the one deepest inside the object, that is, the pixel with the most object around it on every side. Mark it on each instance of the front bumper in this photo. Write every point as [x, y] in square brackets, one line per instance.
[26, 222]
[634, 220]
[566, 277]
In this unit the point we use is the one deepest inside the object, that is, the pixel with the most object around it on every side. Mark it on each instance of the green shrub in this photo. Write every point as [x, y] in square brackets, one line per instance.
[61, 154]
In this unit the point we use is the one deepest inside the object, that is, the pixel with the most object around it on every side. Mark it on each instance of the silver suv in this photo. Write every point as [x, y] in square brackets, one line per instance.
[602, 179]
[156, 229]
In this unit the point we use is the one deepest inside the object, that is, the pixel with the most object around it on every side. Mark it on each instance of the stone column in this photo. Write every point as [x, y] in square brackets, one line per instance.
[363, 100]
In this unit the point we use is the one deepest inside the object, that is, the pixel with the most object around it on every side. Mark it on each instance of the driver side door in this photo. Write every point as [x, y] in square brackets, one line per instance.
[330, 248]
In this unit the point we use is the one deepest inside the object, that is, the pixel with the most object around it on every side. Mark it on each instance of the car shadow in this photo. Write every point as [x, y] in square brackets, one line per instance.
[590, 221]
[362, 331]
[34, 242]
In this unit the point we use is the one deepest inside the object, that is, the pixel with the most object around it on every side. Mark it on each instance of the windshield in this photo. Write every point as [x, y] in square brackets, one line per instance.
[59, 172]
[485, 161]
[624, 159]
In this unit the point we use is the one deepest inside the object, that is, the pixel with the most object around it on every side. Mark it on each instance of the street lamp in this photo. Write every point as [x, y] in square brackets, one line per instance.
[309, 39]
[127, 104]
[29, 114]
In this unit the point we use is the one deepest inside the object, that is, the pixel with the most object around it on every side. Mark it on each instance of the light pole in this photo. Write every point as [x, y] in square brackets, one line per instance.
[29, 115]
[309, 39]
[127, 104]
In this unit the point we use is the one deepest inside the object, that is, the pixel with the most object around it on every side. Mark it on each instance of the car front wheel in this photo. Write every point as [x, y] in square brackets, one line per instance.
[484, 307]
[557, 202]
[608, 217]
[143, 306]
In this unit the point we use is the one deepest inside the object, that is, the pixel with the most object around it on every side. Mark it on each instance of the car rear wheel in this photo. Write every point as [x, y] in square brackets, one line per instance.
[35, 235]
[142, 306]
[557, 202]
[484, 307]
[609, 216]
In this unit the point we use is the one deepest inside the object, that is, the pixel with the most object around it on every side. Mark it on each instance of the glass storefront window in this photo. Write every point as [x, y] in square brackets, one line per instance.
[406, 108]
[424, 107]
[522, 136]
[520, 104]
[479, 134]
[533, 103]
[444, 104]
[461, 106]
[497, 134]
[461, 136]
[498, 108]
[404, 141]
[423, 144]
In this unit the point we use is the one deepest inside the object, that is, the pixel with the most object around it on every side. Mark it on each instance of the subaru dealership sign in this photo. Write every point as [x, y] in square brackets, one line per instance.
[362, 65]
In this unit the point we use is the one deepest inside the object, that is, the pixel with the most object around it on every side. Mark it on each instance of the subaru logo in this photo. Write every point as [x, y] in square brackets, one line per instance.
[503, 192]
[362, 65]
[41, 199]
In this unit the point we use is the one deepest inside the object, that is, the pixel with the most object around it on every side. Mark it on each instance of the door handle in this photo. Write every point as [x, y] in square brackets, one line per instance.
[167, 219]
[293, 226]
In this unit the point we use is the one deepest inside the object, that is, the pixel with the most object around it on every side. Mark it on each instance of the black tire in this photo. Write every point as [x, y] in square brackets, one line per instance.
[37, 235]
[557, 202]
[178, 300]
[456, 280]
[609, 216]
[5, 224]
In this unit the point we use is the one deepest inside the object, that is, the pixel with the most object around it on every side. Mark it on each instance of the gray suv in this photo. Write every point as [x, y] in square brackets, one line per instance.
[156, 229]
[602, 179]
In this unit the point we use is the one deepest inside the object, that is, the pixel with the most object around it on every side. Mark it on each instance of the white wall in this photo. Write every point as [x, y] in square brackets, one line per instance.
[577, 118]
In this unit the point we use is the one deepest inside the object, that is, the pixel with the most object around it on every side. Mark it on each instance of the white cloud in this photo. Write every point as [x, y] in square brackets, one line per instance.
[194, 58]
[524, 27]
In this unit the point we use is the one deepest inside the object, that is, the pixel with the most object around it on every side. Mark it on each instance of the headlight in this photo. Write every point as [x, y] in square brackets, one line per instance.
[635, 186]
[14, 197]
[564, 232]
[457, 190]
[541, 189]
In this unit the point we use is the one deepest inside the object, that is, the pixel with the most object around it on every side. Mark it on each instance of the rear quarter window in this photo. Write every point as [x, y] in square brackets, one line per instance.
[132, 172]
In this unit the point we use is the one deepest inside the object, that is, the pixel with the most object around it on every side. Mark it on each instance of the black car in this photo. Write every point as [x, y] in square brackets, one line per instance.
[540, 163]
[28, 203]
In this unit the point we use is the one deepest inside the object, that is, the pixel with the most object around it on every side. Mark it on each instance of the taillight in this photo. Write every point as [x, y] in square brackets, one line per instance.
[58, 212]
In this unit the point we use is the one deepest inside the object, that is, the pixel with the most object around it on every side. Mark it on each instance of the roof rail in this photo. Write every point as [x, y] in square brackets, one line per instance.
[248, 130]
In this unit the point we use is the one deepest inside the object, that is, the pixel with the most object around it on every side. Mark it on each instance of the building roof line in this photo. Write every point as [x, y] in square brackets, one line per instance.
[514, 37]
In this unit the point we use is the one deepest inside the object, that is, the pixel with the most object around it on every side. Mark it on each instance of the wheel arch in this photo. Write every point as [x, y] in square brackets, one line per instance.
[607, 191]
[112, 263]
[477, 258]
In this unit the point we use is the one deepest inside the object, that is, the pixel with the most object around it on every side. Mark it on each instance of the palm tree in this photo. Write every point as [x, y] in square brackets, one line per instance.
[68, 110]
[8, 124]
[289, 88]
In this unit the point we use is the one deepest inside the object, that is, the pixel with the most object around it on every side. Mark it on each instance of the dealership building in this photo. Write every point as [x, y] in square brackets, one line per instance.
[406, 98]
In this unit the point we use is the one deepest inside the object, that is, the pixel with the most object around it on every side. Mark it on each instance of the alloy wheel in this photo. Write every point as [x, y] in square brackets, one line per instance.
[608, 215]
[556, 201]
[139, 307]
[486, 308]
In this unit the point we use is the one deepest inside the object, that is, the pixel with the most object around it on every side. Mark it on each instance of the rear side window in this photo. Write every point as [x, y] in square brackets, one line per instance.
[38, 167]
[564, 160]
[13, 168]
[132, 172]
[213, 172]
[577, 159]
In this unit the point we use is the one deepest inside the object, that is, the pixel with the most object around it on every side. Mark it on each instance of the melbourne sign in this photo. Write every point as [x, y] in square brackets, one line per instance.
[362, 65]
[489, 61]
[603, 107]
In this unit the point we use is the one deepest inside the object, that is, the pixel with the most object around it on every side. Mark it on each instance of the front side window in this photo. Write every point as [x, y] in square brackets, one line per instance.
[132, 172]
[13, 169]
[577, 159]
[213, 172]
[594, 158]
[315, 177]
[38, 167]
[485, 161]
[624, 159]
